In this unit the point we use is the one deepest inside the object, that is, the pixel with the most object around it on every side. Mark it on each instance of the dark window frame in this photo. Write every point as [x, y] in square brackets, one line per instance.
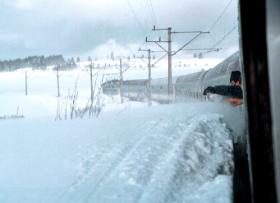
[255, 65]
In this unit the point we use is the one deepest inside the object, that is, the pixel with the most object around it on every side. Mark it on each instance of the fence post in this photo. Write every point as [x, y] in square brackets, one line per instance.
[26, 91]
[121, 81]
[57, 80]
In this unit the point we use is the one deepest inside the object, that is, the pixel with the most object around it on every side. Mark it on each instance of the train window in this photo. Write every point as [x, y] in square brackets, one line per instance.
[122, 101]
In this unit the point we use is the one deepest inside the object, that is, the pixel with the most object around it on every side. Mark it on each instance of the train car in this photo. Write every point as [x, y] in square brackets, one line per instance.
[135, 89]
[192, 85]
[188, 86]
[132, 89]
[159, 90]
[185, 87]
[110, 87]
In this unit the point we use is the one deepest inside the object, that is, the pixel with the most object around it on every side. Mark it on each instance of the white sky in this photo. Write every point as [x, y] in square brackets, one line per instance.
[82, 27]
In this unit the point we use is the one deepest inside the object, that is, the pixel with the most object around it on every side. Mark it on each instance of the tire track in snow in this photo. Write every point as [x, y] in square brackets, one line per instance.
[129, 147]
[140, 163]
[93, 180]
[92, 166]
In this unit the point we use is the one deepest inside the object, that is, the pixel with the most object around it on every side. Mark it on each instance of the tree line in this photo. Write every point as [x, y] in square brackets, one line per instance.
[37, 62]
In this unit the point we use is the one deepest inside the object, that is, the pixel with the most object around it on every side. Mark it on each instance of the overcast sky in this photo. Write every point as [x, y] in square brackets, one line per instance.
[97, 27]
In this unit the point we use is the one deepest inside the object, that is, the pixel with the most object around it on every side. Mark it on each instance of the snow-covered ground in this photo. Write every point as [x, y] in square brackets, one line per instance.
[42, 85]
[160, 154]
[131, 152]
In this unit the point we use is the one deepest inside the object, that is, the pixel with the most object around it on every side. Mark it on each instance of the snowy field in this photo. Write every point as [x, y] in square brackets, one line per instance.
[129, 153]
[42, 85]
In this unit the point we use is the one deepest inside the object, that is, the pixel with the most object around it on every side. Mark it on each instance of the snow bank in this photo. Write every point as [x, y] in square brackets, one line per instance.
[165, 153]
[170, 167]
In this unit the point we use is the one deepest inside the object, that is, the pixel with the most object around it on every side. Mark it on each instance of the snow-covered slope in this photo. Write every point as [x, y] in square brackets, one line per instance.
[159, 154]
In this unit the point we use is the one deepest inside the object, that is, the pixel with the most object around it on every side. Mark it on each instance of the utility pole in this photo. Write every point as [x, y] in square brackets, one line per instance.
[121, 81]
[149, 73]
[91, 83]
[169, 51]
[26, 92]
[57, 80]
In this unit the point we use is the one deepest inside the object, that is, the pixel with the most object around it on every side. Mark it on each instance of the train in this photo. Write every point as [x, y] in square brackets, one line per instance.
[185, 86]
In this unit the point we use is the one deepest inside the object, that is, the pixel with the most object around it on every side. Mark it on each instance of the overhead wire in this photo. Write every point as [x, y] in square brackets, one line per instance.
[152, 15]
[217, 42]
[135, 17]
[150, 4]
[144, 31]
[150, 12]
[153, 19]
[220, 16]
[225, 36]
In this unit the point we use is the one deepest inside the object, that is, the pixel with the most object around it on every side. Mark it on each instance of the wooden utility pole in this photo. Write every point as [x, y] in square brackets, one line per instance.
[91, 83]
[26, 90]
[57, 80]
[121, 81]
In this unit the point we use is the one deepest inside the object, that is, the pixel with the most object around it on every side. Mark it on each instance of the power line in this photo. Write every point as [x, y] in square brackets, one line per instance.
[137, 21]
[150, 12]
[220, 16]
[144, 31]
[211, 36]
[217, 42]
[135, 17]
[225, 36]
[153, 11]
